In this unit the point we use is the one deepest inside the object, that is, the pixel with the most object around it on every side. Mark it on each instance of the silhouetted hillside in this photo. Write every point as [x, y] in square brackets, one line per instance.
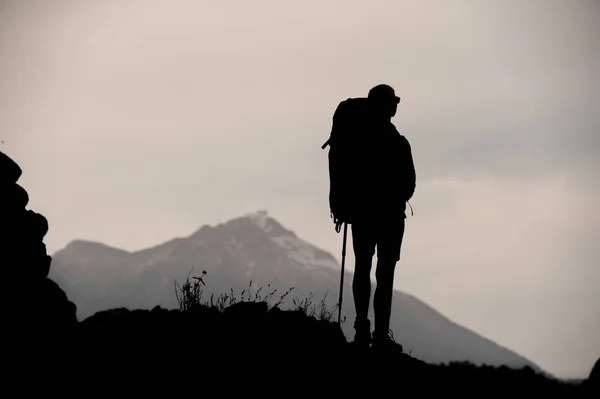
[254, 347]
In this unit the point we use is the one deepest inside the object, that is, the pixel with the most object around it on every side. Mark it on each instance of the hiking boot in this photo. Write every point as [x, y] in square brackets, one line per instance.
[362, 337]
[386, 342]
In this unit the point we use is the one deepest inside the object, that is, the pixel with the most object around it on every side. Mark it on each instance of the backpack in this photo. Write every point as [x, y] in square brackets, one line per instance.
[348, 134]
[349, 139]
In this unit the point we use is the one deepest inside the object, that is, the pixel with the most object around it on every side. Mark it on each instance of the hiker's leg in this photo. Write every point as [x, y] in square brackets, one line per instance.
[388, 254]
[382, 300]
[361, 285]
[364, 249]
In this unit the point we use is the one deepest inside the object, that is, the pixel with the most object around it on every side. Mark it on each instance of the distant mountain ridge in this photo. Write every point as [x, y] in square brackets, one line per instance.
[255, 247]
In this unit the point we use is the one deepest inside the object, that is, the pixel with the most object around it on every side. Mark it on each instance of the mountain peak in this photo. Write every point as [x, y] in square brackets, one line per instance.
[268, 224]
[260, 218]
[83, 251]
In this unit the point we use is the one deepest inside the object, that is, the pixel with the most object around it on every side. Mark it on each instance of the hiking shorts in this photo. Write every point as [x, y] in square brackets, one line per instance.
[385, 236]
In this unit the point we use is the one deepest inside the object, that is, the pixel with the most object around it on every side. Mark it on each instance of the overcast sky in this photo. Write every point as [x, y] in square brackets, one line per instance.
[139, 121]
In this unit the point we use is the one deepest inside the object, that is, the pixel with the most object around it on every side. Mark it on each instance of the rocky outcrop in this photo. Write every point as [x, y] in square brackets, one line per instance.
[242, 328]
[592, 383]
[38, 304]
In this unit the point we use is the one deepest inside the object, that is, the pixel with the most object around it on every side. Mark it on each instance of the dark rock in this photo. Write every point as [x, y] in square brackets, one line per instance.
[14, 198]
[14, 221]
[31, 260]
[595, 373]
[205, 313]
[38, 223]
[36, 249]
[158, 309]
[111, 315]
[10, 170]
[41, 307]
[247, 310]
[43, 268]
[23, 234]
[592, 383]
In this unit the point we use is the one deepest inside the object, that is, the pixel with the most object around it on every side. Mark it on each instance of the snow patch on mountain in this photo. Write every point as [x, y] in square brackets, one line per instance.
[304, 253]
[261, 219]
[268, 224]
[296, 248]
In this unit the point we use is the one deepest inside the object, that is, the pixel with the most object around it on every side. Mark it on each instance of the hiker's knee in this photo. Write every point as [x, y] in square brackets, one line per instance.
[386, 267]
[389, 252]
[363, 264]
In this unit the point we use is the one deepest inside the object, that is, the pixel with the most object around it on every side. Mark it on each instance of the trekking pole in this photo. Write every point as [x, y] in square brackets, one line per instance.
[342, 277]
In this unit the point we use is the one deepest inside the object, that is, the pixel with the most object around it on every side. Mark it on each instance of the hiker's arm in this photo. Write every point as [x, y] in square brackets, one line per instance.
[410, 173]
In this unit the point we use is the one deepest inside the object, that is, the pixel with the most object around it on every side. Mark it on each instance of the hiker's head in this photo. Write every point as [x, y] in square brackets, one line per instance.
[384, 100]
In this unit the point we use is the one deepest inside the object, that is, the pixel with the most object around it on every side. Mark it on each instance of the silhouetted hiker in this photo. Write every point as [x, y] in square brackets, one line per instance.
[372, 177]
